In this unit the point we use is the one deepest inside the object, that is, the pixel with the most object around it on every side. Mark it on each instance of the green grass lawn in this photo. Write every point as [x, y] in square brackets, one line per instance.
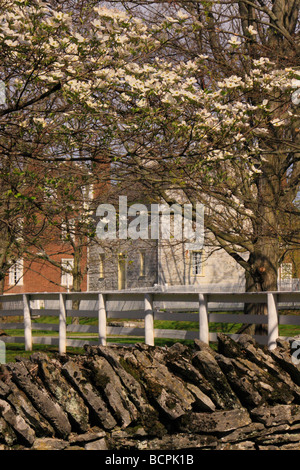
[14, 350]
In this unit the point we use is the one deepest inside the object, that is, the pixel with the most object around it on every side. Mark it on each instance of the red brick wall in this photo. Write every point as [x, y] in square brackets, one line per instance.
[42, 276]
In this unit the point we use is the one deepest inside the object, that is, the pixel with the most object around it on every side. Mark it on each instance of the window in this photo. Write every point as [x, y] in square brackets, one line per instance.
[50, 192]
[122, 271]
[19, 229]
[101, 265]
[68, 230]
[37, 304]
[16, 274]
[286, 271]
[142, 264]
[197, 264]
[66, 274]
[88, 195]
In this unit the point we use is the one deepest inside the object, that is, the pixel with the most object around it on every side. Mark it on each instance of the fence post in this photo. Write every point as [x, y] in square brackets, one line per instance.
[272, 321]
[27, 323]
[203, 319]
[149, 319]
[2, 352]
[102, 319]
[62, 324]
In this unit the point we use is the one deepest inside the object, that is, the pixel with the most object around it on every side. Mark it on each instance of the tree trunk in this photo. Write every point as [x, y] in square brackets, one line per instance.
[2, 319]
[2, 332]
[263, 260]
[262, 277]
[2, 280]
[77, 279]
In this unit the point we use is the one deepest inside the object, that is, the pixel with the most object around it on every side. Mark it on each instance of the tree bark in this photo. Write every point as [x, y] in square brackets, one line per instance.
[77, 279]
[2, 332]
[261, 277]
[263, 261]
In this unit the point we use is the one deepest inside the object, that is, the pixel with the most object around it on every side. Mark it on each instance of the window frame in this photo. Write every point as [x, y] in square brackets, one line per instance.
[142, 256]
[101, 265]
[16, 273]
[288, 274]
[197, 266]
[65, 274]
[122, 257]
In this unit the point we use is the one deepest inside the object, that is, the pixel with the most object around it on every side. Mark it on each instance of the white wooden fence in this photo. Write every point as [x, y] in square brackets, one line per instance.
[148, 306]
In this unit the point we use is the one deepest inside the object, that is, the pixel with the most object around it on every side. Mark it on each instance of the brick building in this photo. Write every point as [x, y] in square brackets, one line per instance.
[55, 260]
[35, 274]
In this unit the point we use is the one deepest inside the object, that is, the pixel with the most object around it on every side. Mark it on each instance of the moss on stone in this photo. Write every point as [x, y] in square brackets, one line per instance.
[130, 369]
[101, 380]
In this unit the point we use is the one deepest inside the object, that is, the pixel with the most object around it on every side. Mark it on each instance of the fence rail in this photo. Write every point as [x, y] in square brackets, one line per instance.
[147, 306]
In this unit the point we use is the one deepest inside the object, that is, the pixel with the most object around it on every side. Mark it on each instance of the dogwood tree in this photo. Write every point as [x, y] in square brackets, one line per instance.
[250, 60]
[111, 86]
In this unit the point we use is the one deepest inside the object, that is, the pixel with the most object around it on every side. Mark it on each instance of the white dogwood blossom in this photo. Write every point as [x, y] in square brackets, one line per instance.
[108, 73]
[251, 30]
[234, 41]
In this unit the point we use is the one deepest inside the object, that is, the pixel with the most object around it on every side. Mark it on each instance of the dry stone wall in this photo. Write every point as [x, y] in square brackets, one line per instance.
[240, 397]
